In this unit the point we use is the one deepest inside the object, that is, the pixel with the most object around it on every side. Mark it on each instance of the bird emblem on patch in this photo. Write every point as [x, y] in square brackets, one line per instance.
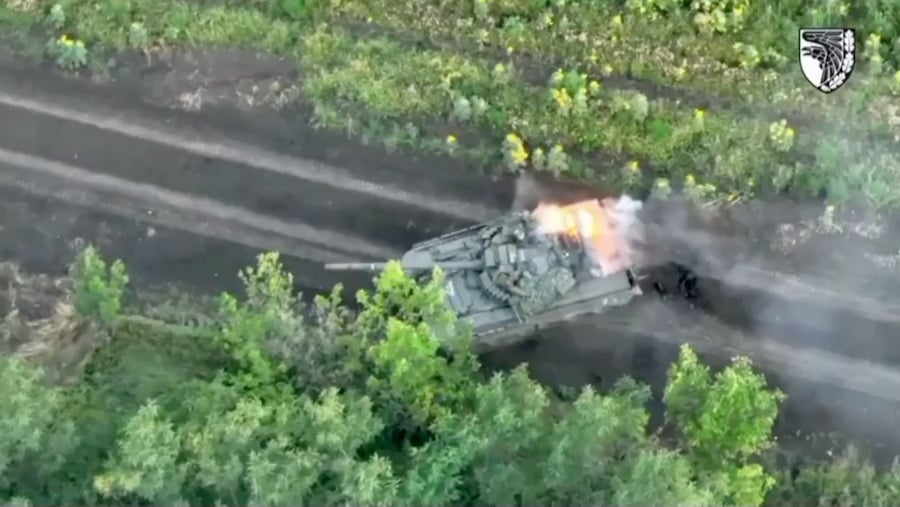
[827, 56]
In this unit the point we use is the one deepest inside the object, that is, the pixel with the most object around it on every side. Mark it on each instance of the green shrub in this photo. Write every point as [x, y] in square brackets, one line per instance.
[98, 290]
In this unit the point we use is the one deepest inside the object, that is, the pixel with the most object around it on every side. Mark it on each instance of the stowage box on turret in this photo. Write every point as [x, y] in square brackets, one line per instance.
[511, 276]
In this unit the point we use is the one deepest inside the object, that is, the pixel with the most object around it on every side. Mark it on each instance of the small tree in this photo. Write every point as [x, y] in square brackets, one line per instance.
[99, 290]
[725, 420]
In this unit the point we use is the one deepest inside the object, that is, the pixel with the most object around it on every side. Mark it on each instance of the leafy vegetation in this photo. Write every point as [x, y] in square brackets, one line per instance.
[572, 125]
[268, 402]
[742, 49]
[276, 404]
[522, 85]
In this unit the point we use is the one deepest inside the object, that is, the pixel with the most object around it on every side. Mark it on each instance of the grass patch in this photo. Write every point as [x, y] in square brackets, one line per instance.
[500, 114]
[740, 49]
[143, 25]
[573, 125]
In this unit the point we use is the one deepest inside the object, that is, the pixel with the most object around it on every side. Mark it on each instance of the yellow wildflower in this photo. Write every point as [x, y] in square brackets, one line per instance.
[515, 150]
[509, 50]
[520, 156]
[634, 166]
[562, 97]
[699, 119]
[451, 139]
[690, 180]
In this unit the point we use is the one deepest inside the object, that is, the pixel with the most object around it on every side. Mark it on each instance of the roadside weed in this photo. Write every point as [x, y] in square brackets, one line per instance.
[68, 53]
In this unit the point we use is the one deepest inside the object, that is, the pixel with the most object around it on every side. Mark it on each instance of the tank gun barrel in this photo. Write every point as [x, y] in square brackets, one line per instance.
[407, 266]
[355, 266]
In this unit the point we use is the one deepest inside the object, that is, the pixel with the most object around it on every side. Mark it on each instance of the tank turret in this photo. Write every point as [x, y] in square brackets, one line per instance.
[523, 270]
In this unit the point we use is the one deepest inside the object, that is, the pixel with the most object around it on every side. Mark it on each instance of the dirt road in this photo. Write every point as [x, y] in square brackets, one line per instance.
[44, 233]
[189, 198]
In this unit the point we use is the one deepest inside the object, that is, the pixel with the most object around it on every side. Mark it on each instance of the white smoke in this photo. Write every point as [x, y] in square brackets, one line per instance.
[626, 225]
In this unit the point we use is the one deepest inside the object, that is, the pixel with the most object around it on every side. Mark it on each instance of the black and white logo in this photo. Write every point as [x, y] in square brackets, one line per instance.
[827, 56]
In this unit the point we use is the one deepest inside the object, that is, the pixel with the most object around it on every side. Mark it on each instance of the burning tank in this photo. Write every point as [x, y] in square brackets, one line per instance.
[527, 270]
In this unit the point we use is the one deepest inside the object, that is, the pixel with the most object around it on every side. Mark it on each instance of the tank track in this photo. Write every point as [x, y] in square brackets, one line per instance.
[815, 289]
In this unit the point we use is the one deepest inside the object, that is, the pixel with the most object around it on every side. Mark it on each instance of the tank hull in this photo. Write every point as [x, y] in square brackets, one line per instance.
[495, 324]
[524, 271]
[499, 328]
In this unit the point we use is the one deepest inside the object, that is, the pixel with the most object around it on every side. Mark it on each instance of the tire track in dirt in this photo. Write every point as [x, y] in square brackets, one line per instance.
[806, 312]
[152, 92]
[198, 215]
[44, 233]
[248, 156]
[677, 323]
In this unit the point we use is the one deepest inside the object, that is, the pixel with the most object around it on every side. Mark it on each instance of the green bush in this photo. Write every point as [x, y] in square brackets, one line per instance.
[98, 289]
[226, 415]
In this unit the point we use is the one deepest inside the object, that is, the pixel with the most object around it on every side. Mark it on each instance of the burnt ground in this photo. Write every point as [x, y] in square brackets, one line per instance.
[122, 131]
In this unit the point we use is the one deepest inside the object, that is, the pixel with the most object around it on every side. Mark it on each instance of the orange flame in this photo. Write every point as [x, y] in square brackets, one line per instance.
[590, 222]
